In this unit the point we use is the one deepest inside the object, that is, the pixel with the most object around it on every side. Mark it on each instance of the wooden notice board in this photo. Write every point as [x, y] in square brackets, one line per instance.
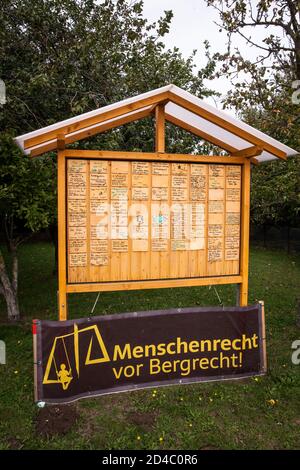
[136, 220]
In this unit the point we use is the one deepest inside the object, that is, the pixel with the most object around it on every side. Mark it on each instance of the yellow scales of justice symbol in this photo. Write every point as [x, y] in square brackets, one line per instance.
[64, 373]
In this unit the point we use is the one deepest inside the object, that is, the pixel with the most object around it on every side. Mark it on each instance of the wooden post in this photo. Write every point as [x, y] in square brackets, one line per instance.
[35, 364]
[61, 211]
[263, 332]
[160, 128]
[245, 231]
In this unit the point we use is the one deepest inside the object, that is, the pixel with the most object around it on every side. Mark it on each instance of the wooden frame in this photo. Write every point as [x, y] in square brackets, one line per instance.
[66, 288]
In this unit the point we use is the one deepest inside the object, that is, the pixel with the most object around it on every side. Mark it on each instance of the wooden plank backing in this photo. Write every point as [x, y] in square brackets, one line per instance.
[137, 220]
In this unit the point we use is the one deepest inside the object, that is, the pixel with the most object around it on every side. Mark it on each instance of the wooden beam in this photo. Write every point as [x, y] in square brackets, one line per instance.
[249, 152]
[61, 143]
[160, 283]
[160, 128]
[61, 213]
[199, 133]
[145, 156]
[245, 232]
[224, 124]
[85, 133]
[96, 119]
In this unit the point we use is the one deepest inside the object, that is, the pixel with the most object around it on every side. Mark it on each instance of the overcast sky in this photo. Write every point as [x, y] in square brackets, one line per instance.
[194, 22]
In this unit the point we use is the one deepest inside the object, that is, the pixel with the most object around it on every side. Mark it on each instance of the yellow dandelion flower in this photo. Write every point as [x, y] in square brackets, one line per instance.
[16, 371]
[161, 439]
[138, 438]
[190, 425]
[271, 402]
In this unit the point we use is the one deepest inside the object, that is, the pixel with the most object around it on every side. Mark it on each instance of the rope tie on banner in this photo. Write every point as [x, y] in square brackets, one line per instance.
[217, 294]
[94, 306]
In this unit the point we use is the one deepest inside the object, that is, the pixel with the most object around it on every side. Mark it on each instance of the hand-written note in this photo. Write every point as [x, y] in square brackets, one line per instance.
[215, 230]
[99, 259]
[232, 254]
[179, 168]
[99, 231]
[77, 260]
[159, 245]
[76, 206]
[232, 242]
[77, 219]
[77, 232]
[179, 194]
[77, 185]
[98, 192]
[198, 181]
[99, 246]
[198, 194]
[233, 194]
[119, 193]
[179, 181]
[140, 194]
[215, 249]
[216, 182]
[98, 180]
[232, 230]
[159, 168]
[119, 245]
[140, 168]
[77, 246]
[232, 218]
[216, 170]
[199, 170]
[119, 180]
[77, 166]
[160, 194]
[179, 245]
[98, 167]
[215, 206]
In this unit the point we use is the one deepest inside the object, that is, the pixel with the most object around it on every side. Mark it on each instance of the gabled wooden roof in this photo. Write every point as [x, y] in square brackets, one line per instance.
[181, 108]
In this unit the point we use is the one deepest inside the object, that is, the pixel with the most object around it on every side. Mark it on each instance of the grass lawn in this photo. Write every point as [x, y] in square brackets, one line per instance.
[228, 415]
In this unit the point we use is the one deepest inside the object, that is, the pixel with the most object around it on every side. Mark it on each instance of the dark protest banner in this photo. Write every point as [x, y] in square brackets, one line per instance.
[114, 353]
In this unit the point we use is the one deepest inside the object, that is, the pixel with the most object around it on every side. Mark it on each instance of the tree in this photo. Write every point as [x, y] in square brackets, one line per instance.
[282, 48]
[27, 200]
[60, 58]
[262, 92]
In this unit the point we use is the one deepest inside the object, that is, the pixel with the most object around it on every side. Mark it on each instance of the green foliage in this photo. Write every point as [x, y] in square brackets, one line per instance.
[262, 94]
[27, 190]
[275, 193]
[62, 58]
